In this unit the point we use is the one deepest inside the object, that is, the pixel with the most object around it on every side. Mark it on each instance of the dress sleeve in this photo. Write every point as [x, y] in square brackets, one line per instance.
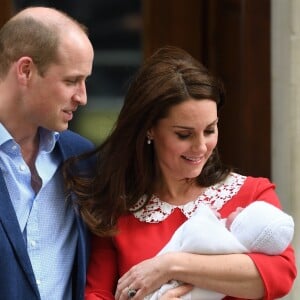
[278, 272]
[102, 270]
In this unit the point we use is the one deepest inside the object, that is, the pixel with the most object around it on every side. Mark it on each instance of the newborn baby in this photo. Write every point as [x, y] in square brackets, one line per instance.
[259, 227]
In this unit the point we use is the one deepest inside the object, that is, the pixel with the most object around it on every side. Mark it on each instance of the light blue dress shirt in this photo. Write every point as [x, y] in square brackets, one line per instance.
[46, 219]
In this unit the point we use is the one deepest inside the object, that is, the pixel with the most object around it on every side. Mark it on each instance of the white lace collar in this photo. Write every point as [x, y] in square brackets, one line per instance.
[215, 196]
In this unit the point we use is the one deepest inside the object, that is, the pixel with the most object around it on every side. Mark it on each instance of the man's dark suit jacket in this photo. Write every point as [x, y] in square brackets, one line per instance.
[17, 280]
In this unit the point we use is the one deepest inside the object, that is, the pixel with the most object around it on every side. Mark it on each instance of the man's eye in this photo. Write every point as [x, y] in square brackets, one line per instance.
[71, 81]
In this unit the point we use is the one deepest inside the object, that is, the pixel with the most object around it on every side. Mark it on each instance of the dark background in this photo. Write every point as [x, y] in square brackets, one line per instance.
[230, 37]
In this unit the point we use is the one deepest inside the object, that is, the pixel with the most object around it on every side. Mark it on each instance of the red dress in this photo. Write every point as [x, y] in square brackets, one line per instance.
[143, 234]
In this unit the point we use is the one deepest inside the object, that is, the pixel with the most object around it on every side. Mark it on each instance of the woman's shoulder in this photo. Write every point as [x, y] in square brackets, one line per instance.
[237, 187]
[257, 183]
[253, 189]
[235, 179]
[258, 180]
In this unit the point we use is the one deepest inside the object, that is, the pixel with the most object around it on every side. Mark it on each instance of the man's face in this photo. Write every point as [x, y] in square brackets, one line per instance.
[54, 96]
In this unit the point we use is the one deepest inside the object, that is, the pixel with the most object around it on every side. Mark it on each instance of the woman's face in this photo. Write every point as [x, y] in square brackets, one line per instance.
[185, 139]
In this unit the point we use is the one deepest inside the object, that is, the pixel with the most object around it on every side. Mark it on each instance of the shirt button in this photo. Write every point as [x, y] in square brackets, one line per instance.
[38, 282]
[33, 243]
[22, 167]
[14, 147]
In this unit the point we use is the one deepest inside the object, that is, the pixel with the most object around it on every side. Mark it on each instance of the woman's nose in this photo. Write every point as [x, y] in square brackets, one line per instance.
[199, 144]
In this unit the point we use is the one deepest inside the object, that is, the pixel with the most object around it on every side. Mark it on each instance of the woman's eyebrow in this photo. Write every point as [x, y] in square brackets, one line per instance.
[188, 127]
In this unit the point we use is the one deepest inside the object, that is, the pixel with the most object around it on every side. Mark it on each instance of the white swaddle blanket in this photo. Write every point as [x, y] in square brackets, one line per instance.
[260, 227]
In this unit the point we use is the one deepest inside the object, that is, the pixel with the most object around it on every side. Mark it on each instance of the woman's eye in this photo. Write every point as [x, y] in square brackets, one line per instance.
[210, 131]
[183, 136]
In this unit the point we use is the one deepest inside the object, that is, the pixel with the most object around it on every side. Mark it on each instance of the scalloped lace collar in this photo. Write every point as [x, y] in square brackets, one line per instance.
[215, 196]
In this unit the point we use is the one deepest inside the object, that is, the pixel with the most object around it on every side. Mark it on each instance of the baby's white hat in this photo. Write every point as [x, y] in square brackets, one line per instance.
[262, 227]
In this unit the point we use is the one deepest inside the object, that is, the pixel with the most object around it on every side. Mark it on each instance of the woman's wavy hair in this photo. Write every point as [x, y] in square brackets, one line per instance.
[125, 168]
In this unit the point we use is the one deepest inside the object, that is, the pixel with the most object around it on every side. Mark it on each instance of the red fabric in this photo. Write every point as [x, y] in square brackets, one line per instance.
[137, 241]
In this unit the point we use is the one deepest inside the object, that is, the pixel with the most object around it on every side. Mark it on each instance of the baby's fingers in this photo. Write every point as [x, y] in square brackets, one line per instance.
[176, 293]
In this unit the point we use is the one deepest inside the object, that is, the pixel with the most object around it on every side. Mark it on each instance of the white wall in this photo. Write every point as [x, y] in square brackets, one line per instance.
[285, 61]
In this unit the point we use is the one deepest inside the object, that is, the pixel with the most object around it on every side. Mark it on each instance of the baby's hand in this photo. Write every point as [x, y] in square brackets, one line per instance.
[218, 215]
[232, 216]
[176, 293]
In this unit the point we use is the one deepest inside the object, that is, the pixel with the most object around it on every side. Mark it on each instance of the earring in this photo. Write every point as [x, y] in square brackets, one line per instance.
[149, 141]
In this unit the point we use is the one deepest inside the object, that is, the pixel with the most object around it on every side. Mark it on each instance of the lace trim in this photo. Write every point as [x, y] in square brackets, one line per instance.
[215, 196]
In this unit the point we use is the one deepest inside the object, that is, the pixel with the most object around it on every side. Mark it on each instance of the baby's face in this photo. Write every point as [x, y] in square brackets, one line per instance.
[232, 216]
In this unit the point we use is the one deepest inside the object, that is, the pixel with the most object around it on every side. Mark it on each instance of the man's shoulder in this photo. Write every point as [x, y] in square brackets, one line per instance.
[74, 142]
[73, 137]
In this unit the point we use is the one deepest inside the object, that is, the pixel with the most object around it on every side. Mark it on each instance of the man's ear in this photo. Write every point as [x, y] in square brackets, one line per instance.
[24, 69]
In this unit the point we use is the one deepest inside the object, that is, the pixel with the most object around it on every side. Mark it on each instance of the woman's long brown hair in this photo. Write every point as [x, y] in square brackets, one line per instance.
[125, 167]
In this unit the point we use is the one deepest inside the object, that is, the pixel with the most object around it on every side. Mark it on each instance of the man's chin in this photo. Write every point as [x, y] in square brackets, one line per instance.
[61, 128]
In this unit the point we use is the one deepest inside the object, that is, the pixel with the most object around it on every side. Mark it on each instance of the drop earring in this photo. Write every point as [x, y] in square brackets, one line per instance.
[149, 141]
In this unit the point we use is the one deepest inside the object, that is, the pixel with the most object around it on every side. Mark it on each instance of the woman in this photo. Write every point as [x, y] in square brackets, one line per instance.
[158, 164]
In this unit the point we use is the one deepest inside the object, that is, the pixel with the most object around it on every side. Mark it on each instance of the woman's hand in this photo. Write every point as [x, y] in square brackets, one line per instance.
[176, 293]
[144, 278]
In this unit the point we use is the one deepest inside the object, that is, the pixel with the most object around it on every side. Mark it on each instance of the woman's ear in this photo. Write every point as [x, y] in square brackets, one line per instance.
[150, 134]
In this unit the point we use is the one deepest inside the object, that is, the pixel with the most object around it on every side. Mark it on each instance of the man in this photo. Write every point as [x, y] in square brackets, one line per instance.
[45, 58]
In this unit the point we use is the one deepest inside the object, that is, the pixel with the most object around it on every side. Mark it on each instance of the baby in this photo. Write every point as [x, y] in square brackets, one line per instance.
[259, 227]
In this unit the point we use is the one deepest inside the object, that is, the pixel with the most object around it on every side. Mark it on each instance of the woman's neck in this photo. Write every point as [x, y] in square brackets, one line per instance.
[178, 192]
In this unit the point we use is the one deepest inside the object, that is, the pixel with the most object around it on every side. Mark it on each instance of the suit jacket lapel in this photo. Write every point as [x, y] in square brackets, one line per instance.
[10, 224]
[79, 269]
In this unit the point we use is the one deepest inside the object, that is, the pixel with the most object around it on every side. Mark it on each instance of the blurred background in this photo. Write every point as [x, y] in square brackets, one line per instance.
[115, 31]
[252, 45]
[230, 37]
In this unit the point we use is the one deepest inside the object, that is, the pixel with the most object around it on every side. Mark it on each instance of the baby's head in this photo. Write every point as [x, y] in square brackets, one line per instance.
[262, 227]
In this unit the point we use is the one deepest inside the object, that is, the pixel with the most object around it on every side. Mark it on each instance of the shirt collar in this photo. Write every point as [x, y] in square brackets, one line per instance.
[47, 138]
[4, 135]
